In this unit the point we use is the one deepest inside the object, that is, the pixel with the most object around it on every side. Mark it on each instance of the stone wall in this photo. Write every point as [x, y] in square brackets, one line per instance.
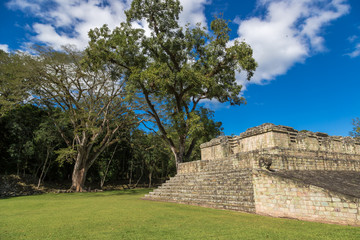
[292, 159]
[269, 136]
[257, 142]
[234, 162]
[192, 167]
[215, 149]
[280, 197]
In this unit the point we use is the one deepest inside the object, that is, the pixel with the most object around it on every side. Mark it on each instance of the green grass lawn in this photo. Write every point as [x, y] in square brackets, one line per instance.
[123, 215]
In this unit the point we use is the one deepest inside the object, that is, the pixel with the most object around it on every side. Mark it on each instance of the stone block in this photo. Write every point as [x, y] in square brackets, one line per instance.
[353, 210]
[352, 205]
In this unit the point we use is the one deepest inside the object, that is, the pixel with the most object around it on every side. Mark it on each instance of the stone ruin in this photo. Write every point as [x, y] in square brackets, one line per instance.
[276, 171]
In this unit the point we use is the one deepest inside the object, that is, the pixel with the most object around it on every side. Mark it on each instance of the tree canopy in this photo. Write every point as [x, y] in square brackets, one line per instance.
[14, 85]
[171, 69]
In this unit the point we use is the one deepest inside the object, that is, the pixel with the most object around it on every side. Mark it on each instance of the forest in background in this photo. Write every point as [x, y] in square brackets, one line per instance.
[129, 107]
[30, 145]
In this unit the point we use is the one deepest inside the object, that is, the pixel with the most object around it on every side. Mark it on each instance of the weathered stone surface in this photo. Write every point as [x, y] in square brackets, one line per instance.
[280, 196]
[343, 182]
[273, 170]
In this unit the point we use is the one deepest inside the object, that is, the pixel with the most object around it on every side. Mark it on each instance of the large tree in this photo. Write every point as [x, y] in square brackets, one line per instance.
[171, 69]
[88, 105]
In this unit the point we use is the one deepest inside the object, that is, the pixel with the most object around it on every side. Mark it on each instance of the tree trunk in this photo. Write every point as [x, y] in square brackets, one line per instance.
[102, 181]
[150, 177]
[79, 172]
[43, 173]
[142, 172]
[180, 154]
[131, 173]
[78, 179]
[179, 158]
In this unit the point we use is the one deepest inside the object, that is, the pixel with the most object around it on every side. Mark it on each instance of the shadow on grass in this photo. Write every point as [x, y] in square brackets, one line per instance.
[25, 195]
[137, 191]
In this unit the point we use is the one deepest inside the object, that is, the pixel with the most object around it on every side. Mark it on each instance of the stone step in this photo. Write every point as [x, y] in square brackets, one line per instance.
[206, 185]
[209, 174]
[241, 201]
[202, 190]
[216, 169]
[238, 199]
[217, 185]
[223, 184]
[213, 178]
[200, 178]
[213, 181]
[206, 188]
[193, 185]
[246, 205]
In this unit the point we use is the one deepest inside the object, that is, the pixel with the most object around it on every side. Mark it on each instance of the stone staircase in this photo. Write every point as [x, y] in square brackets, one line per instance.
[217, 185]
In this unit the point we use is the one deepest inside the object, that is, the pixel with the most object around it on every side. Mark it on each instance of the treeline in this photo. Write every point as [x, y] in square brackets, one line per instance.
[30, 145]
[130, 106]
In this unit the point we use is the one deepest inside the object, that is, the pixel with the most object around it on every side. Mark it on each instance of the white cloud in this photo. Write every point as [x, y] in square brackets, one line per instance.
[355, 40]
[4, 47]
[214, 104]
[352, 39]
[193, 12]
[24, 5]
[355, 52]
[290, 32]
[47, 34]
[68, 22]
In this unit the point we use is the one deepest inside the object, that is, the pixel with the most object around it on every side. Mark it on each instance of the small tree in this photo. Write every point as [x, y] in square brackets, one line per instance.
[47, 140]
[356, 128]
[173, 68]
[150, 149]
[91, 102]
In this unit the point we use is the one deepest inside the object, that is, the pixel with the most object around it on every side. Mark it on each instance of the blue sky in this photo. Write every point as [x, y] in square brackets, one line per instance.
[308, 52]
